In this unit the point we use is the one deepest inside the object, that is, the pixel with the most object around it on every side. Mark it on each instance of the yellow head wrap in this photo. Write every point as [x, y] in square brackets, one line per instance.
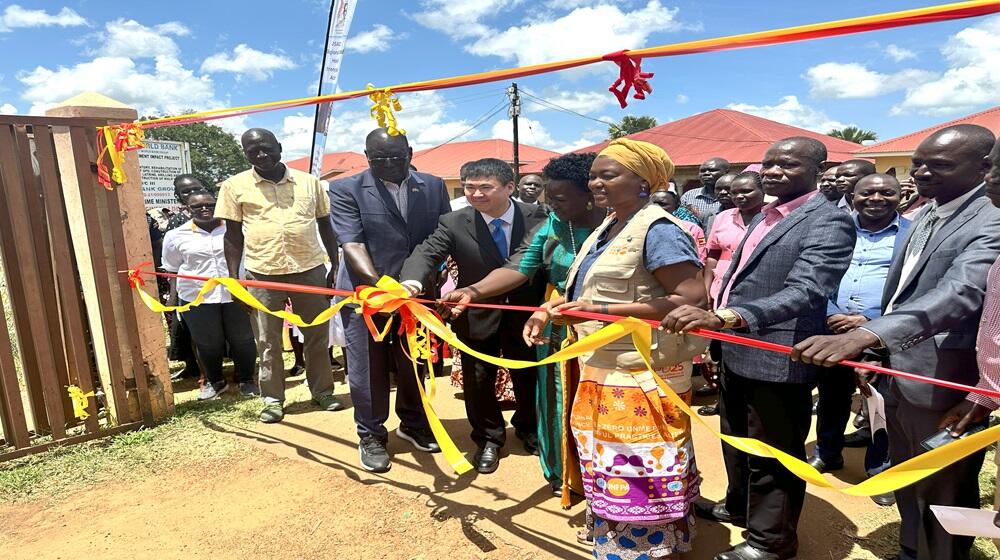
[646, 160]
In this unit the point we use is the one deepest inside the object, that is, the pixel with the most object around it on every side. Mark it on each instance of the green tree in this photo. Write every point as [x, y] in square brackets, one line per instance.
[853, 134]
[630, 125]
[215, 154]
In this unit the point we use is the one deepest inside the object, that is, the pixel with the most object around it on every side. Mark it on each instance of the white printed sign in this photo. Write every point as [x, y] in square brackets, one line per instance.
[159, 162]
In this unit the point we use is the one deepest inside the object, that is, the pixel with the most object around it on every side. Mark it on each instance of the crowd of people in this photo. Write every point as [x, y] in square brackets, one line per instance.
[838, 261]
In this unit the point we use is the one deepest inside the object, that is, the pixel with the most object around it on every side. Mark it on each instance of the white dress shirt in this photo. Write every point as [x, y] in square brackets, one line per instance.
[507, 225]
[190, 250]
[943, 212]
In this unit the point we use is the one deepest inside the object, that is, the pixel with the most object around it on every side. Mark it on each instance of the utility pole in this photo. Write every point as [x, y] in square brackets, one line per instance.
[513, 112]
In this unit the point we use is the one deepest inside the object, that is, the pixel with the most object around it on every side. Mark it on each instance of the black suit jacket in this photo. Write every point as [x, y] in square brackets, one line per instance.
[465, 237]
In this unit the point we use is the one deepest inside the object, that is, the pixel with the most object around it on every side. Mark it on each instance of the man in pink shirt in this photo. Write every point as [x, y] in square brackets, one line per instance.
[792, 258]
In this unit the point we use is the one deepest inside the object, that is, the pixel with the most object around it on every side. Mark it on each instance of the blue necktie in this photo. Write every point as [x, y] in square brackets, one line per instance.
[499, 237]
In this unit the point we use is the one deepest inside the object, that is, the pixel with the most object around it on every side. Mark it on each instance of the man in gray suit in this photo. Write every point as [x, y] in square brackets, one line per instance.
[932, 301]
[793, 256]
[381, 215]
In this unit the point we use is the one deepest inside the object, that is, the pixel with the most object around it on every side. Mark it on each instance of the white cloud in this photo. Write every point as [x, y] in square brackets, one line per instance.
[972, 79]
[572, 4]
[852, 80]
[14, 17]
[247, 61]
[584, 31]
[379, 38]
[791, 111]
[8, 109]
[585, 102]
[681, 99]
[534, 133]
[424, 117]
[898, 53]
[460, 20]
[168, 88]
[131, 39]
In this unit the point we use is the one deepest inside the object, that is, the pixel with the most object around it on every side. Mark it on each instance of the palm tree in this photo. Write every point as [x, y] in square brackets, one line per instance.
[630, 125]
[853, 134]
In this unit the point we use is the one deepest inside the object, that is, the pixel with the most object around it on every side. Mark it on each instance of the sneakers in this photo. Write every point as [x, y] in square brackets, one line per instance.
[295, 371]
[374, 458]
[329, 403]
[421, 438]
[248, 389]
[272, 413]
[209, 391]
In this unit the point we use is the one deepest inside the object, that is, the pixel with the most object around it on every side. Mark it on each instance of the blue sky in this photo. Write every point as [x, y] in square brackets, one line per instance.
[167, 57]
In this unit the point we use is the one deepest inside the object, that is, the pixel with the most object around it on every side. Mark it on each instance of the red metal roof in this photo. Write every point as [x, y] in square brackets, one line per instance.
[445, 160]
[735, 136]
[332, 162]
[990, 118]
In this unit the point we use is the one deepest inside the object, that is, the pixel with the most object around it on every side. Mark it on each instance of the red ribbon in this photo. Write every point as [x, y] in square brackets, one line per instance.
[135, 274]
[630, 76]
[724, 337]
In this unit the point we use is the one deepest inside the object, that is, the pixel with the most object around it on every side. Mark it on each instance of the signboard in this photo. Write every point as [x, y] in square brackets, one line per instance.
[159, 162]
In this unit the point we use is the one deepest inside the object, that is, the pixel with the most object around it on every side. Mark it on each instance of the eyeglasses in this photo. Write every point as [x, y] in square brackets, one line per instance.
[484, 188]
[207, 205]
[386, 160]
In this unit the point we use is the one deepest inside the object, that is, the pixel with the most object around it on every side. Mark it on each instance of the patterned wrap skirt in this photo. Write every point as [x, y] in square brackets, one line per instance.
[637, 461]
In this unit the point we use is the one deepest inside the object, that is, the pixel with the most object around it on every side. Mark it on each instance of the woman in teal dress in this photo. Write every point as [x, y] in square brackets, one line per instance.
[551, 252]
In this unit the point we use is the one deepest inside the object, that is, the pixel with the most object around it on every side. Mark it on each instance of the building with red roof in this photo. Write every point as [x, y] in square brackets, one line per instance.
[895, 153]
[446, 160]
[334, 164]
[738, 137]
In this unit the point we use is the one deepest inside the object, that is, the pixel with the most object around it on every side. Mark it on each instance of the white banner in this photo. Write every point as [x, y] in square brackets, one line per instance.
[341, 14]
[159, 162]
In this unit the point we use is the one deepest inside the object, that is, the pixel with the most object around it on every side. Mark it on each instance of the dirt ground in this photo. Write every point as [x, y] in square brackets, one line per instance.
[301, 494]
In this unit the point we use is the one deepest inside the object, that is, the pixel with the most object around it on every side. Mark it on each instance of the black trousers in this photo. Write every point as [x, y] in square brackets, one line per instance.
[369, 363]
[180, 342]
[920, 534]
[836, 387]
[479, 381]
[213, 326]
[761, 491]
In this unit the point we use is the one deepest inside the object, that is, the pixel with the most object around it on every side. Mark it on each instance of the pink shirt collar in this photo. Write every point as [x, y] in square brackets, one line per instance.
[790, 206]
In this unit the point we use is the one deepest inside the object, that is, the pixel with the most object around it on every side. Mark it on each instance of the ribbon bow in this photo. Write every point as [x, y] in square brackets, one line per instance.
[135, 274]
[115, 140]
[630, 75]
[79, 399]
[385, 102]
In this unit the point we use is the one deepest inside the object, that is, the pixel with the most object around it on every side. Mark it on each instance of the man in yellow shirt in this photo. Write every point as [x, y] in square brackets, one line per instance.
[272, 214]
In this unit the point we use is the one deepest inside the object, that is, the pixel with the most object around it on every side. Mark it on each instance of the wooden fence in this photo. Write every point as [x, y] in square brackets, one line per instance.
[48, 338]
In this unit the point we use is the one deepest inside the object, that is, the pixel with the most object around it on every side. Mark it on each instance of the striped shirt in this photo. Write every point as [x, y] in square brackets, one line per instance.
[988, 341]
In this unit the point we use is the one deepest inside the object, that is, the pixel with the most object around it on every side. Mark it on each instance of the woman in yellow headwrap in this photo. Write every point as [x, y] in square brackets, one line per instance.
[636, 455]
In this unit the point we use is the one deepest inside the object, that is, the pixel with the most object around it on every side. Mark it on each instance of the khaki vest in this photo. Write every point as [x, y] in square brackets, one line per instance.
[619, 275]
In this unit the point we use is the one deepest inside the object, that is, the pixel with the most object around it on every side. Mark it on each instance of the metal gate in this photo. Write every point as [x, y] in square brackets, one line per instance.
[47, 342]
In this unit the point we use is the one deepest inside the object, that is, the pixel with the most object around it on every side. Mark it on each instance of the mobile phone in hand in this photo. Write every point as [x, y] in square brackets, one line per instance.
[944, 437]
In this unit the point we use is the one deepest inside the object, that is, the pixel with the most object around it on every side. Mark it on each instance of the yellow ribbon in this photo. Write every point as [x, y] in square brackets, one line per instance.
[79, 400]
[389, 295]
[116, 140]
[889, 480]
[385, 102]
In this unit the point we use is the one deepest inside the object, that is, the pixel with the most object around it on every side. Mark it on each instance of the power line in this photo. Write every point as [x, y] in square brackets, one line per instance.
[552, 105]
[478, 122]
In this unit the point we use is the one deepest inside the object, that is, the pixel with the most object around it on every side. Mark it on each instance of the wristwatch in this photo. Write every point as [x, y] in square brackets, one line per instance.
[730, 319]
